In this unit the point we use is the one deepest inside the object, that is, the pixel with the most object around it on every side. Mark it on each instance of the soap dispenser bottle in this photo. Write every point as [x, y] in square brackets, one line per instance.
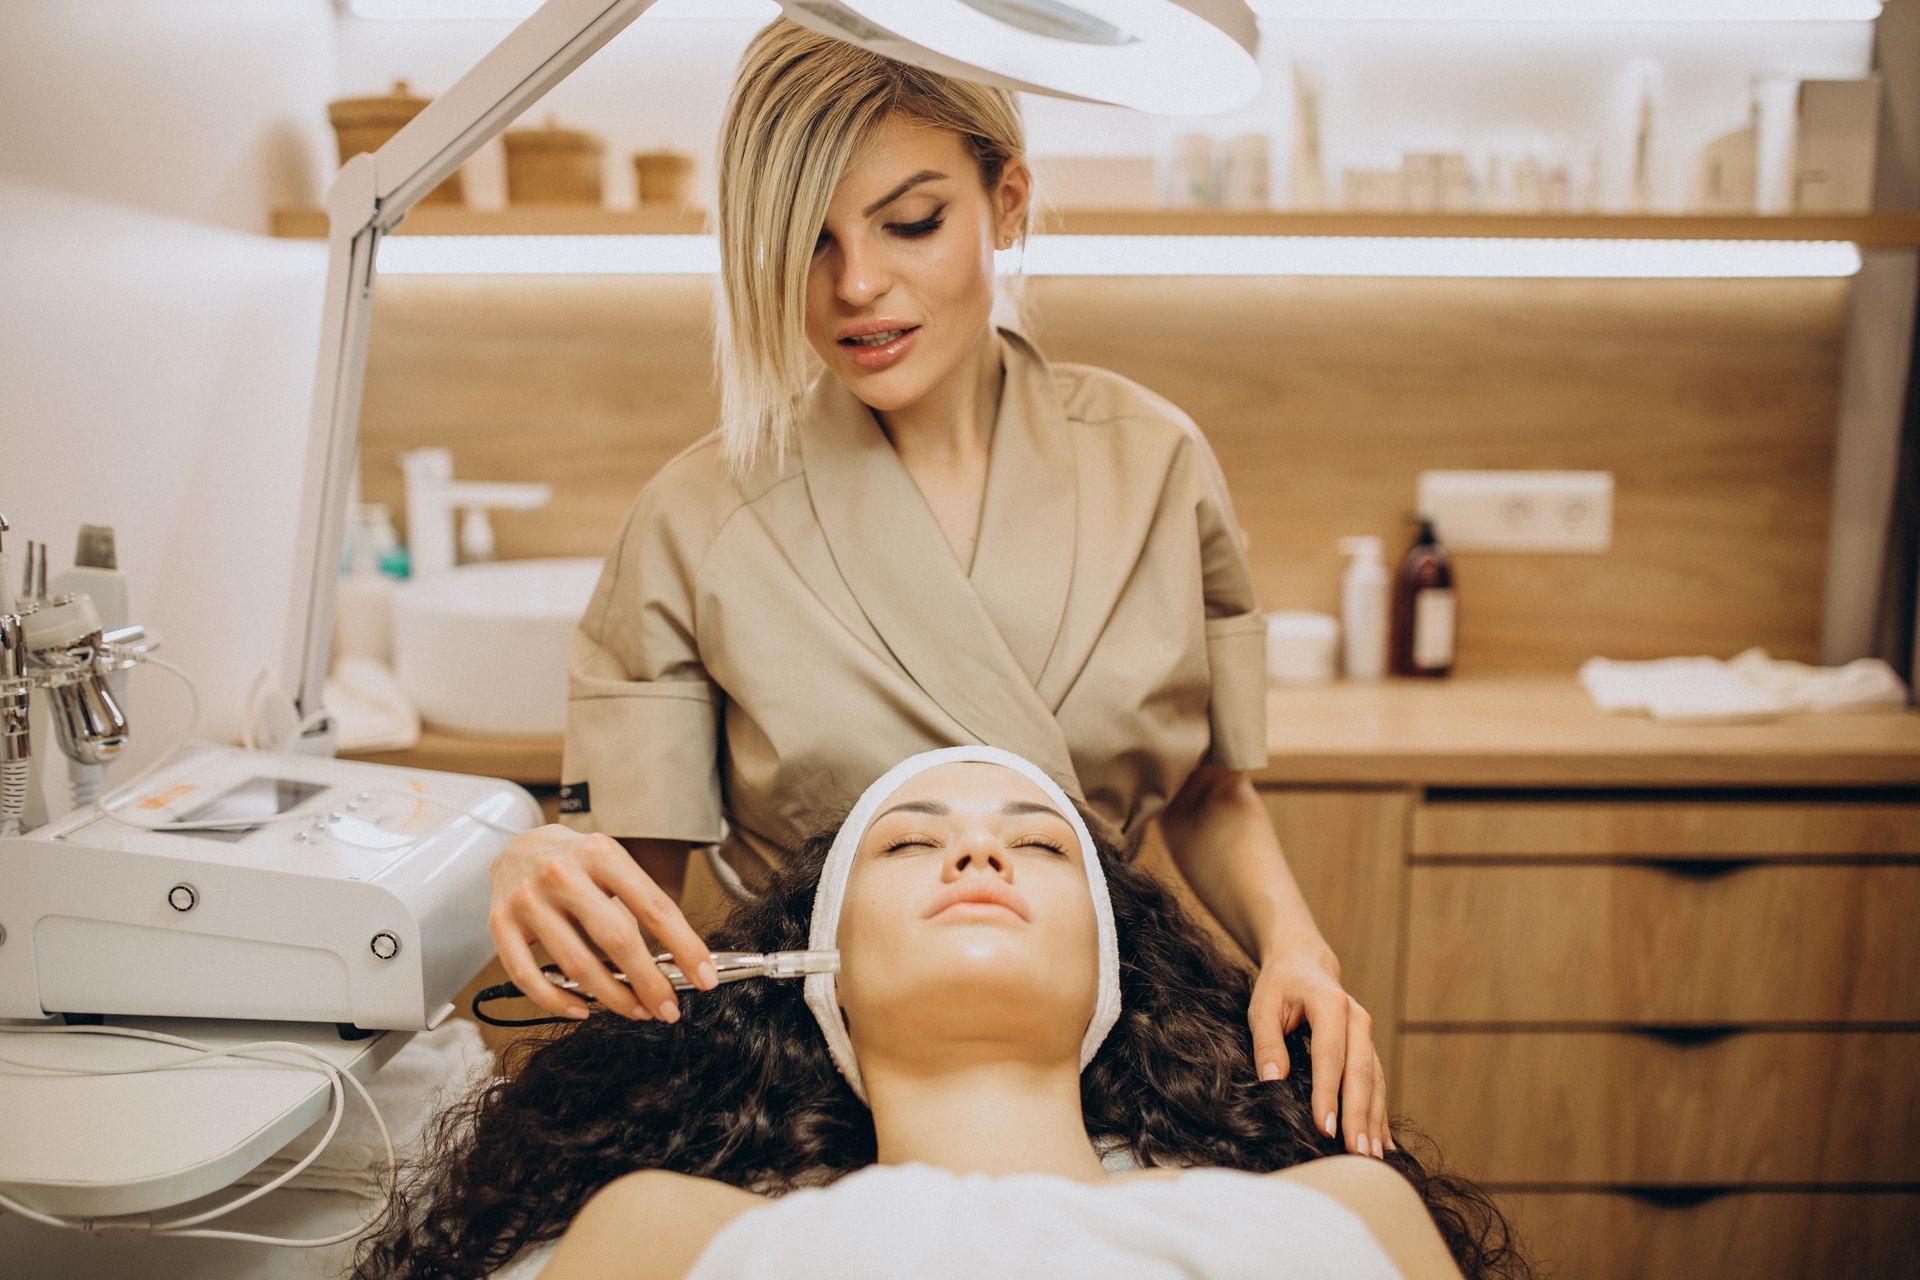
[1363, 609]
[1424, 608]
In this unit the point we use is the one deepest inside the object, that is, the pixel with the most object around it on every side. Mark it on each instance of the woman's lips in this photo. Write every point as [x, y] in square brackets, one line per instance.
[991, 895]
[874, 359]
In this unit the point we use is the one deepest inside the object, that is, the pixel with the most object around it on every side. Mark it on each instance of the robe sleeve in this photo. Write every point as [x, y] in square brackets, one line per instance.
[1236, 626]
[642, 756]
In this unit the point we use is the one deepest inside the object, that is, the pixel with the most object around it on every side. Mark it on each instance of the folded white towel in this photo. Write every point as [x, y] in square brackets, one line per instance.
[430, 1070]
[1749, 687]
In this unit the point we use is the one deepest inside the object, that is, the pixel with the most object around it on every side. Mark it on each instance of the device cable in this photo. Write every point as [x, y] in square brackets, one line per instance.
[202, 1053]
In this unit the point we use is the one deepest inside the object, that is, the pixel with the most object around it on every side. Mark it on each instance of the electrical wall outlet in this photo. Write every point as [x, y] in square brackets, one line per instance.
[1559, 511]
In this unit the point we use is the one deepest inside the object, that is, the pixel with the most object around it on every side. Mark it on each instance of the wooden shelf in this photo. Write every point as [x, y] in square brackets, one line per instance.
[1868, 230]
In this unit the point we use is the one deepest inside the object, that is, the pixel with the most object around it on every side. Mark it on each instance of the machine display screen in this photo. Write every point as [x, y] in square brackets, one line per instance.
[256, 798]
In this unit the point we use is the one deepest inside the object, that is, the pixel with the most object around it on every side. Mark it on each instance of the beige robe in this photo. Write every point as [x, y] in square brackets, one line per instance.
[757, 652]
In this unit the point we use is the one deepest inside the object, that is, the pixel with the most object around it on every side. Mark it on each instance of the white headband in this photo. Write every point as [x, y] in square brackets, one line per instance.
[828, 898]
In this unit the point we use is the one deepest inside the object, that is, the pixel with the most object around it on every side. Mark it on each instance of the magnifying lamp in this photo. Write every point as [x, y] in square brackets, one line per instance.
[1175, 56]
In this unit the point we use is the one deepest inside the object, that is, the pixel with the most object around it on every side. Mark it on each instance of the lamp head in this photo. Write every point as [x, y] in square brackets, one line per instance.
[1181, 57]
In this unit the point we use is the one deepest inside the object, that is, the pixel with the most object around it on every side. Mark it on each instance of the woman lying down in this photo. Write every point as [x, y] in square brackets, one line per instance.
[1014, 1004]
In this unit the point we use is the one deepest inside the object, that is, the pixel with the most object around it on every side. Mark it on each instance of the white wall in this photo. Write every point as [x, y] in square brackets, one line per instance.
[156, 348]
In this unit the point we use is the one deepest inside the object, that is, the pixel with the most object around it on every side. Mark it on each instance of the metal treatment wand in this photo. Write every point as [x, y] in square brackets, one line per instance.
[731, 966]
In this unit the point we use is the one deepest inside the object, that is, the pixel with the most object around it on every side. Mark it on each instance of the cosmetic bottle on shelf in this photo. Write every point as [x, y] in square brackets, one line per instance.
[1424, 609]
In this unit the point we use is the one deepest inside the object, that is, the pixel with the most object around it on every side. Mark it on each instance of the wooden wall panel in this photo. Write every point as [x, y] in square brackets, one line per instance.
[1713, 402]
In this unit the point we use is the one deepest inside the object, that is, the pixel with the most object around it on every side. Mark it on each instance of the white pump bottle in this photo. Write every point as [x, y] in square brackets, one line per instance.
[1364, 609]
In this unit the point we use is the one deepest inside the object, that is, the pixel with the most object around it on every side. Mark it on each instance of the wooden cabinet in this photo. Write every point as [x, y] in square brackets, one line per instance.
[1754, 1235]
[1675, 1034]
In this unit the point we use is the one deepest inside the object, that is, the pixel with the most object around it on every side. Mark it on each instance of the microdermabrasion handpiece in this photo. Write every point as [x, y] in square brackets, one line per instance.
[15, 741]
[731, 966]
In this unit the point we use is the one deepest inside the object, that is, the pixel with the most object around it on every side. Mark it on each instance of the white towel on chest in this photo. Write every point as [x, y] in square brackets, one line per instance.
[929, 1224]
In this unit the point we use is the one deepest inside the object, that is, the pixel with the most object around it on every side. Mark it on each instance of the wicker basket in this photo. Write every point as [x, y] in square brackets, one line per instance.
[365, 124]
[663, 178]
[551, 165]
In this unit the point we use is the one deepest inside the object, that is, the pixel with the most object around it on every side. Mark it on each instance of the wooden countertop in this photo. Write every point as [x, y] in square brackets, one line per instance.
[1544, 731]
[1485, 731]
[530, 761]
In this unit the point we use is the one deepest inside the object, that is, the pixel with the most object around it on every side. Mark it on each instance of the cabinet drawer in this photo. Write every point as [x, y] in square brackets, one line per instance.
[1644, 943]
[1731, 828]
[1771, 1107]
[1752, 1235]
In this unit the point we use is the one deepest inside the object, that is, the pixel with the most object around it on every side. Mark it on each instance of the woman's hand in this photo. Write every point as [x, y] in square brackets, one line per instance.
[566, 891]
[1347, 1076]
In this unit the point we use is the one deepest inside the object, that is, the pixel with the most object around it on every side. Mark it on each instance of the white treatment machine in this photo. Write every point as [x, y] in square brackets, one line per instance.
[330, 891]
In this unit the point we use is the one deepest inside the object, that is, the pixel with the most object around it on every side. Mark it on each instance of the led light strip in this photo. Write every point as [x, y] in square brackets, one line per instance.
[1571, 10]
[1181, 256]
[1281, 10]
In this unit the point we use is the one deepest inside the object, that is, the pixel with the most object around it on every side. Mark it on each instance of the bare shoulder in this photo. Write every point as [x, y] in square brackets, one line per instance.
[648, 1225]
[1389, 1206]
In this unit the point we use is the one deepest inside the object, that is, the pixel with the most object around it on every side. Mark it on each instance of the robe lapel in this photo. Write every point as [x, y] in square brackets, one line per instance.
[1024, 561]
[893, 557]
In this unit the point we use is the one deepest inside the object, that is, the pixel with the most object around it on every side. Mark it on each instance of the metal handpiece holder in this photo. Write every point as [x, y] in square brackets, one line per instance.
[57, 645]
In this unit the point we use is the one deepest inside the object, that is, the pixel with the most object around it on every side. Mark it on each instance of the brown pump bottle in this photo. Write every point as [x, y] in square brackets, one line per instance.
[1423, 609]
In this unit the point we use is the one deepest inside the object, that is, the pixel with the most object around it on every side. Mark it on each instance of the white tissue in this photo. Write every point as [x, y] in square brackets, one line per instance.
[370, 710]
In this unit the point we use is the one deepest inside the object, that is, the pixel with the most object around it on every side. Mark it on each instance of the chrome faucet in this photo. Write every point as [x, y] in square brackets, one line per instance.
[433, 496]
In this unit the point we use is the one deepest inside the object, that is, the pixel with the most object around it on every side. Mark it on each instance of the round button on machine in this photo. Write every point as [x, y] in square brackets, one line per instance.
[385, 945]
[182, 897]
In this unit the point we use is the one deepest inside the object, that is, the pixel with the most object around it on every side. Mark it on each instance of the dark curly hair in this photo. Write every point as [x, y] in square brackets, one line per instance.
[741, 1089]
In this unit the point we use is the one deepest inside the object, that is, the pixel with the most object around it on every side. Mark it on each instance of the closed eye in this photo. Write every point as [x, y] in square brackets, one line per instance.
[914, 230]
[905, 230]
[1041, 842]
[911, 842]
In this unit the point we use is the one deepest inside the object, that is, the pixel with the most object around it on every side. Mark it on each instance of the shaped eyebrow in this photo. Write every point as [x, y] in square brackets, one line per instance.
[938, 808]
[925, 175]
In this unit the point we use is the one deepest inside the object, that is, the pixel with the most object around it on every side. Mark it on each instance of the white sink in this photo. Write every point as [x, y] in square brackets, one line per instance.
[483, 648]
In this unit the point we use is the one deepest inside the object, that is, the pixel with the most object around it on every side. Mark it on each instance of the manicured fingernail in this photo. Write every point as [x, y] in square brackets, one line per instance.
[1269, 1071]
[1329, 1124]
[706, 976]
[1390, 1145]
[577, 1011]
[669, 1011]
[1379, 1152]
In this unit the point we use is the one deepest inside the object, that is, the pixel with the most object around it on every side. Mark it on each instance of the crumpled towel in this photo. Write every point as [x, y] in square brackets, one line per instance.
[1749, 687]
[429, 1071]
[370, 710]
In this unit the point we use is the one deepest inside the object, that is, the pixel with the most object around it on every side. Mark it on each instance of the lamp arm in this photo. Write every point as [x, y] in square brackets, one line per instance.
[367, 200]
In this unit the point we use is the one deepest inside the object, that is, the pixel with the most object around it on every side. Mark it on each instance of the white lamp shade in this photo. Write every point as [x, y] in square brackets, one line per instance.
[1180, 57]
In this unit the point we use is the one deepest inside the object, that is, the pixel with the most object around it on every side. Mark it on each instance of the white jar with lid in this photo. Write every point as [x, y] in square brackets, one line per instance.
[1301, 647]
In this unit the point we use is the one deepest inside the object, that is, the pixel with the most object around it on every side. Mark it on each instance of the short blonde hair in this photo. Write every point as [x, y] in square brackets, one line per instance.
[802, 106]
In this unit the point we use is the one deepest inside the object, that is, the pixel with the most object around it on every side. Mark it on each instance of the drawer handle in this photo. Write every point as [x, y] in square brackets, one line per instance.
[1701, 868]
[1684, 1036]
[1676, 1197]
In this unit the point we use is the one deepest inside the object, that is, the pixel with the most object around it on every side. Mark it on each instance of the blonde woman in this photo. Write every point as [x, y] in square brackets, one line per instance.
[940, 538]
